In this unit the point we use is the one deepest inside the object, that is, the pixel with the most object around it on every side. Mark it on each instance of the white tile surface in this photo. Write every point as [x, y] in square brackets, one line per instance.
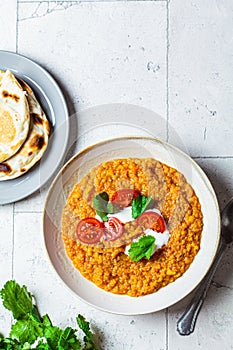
[109, 52]
[200, 75]
[6, 254]
[8, 25]
[219, 172]
[213, 325]
[33, 203]
[129, 52]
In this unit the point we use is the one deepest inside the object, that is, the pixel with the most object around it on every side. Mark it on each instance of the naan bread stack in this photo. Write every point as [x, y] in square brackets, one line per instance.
[14, 116]
[24, 128]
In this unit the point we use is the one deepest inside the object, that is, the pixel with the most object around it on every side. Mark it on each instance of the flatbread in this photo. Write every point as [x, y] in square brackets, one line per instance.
[14, 115]
[35, 145]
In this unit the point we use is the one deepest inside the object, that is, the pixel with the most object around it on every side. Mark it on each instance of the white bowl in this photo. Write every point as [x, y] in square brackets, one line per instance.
[135, 147]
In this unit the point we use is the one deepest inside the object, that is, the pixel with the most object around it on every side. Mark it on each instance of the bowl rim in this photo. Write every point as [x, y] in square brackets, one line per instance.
[201, 173]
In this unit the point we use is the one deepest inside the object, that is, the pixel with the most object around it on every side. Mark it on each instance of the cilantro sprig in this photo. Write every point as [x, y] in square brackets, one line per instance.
[143, 248]
[103, 206]
[140, 204]
[33, 331]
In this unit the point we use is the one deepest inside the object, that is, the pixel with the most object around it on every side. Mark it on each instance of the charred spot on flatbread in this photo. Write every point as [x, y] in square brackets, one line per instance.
[5, 168]
[38, 141]
[6, 94]
[36, 118]
[23, 170]
[25, 86]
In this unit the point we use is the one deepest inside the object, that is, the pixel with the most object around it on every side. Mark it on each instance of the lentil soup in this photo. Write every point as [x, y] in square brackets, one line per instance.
[105, 263]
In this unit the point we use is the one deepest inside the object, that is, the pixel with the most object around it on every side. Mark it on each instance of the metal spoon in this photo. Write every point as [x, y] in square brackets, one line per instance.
[186, 323]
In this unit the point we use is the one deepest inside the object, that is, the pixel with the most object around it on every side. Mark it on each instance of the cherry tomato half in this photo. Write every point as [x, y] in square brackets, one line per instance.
[152, 220]
[114, 229]
[89, 230]
[123, 198]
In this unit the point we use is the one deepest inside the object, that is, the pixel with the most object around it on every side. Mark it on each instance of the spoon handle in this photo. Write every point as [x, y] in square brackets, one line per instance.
[186, 323]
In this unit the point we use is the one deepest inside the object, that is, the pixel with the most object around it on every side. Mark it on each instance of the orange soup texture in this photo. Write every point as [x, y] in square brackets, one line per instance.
[108, 266]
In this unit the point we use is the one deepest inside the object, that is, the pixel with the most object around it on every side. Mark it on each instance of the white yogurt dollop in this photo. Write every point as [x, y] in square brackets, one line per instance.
[125, 215]
[160, 239]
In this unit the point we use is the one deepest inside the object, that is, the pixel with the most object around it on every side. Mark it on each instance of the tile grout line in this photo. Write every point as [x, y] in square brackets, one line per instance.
[17, 26]
[166, 336]
[167, 133]
[167, 138]
[212, 157]
[28, 211]
[13, 242]
[83, 1]
[12, 249]
[167, 72]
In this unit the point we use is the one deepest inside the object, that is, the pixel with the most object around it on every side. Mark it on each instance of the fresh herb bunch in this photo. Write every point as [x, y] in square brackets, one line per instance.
[32, 331]
[143, 248]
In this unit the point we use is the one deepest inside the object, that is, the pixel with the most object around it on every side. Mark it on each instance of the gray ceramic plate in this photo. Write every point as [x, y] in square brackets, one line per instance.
[52, 101]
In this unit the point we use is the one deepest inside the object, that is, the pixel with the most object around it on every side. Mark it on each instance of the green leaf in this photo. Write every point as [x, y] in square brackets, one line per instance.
[142, 248]
[52, 334]
[136, 206]
[10, 344]
[17, 299]
[140, 204]
[112, 208]
[46, 321]
[101, 201]
[88, 338]
[103, 207]
[68, 340]
[102, 215]
[43, 346]
[147, 203]
[26, 331]
[84, 326]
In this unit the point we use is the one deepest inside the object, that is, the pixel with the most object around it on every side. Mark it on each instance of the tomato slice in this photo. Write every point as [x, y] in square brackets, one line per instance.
[114, 229]
[124, 197]
[152, 220]
[89, 230]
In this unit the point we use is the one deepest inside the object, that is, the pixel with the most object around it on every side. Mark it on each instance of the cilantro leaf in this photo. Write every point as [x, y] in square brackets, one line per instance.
[41, 345]
[140, 204]
[102, 215]
[136, 206]
[112, 208]
[142, 248]
[88, 338]
[100, 202]
[68, 340]
[103, 207]
[147, 203]
[26, 331]
[46, 321]
[84, 325]
[17, 299]
[33, 331]
[52, 334]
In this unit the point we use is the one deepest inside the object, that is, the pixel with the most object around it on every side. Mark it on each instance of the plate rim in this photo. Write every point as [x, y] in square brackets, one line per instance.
[61, 96]
[201, 173]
